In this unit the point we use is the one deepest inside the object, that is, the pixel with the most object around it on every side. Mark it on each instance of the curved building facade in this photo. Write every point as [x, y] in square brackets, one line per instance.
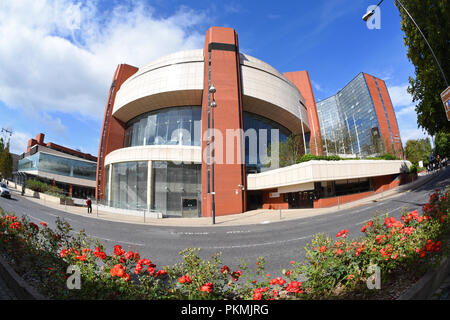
[160, 130]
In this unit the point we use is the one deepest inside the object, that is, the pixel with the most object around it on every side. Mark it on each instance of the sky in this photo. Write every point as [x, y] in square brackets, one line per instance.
[57, 58]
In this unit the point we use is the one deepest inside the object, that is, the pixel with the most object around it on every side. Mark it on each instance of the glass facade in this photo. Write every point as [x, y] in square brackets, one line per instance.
[168, 126]
[256, 149]
[348, 121]
[176, 189]
[128, 185]
[59, 165]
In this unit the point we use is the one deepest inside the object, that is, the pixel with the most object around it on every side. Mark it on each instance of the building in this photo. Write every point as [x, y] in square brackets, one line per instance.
[156, 149]
[360, 120]
[70, 170]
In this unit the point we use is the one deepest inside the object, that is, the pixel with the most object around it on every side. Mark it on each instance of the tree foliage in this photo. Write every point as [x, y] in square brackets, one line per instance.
[442, 144]
[426, 87]
[291, 150]
[418, 150]
[6, 160]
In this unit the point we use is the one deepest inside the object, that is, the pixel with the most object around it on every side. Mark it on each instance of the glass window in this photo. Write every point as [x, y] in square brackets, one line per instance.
[260, 127]
[59, 165]
[168, 126]
[129, 185]
[176, 189]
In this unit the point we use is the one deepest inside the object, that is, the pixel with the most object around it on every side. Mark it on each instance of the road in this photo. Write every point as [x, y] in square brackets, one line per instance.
[279, 242]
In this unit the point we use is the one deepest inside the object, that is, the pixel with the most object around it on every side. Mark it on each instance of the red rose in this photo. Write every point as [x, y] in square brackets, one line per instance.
[225, 269]
[118, 251]
[207, 287]
[129, 255]
[184, 279]
[294, 287]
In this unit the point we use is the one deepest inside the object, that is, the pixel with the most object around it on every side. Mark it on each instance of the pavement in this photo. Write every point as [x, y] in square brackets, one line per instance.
[246, 218]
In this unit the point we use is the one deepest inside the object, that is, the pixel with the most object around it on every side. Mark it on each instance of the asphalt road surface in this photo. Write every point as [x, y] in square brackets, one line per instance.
[278, 242]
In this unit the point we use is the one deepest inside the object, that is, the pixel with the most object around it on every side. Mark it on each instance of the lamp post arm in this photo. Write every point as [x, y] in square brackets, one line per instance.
[423, 36]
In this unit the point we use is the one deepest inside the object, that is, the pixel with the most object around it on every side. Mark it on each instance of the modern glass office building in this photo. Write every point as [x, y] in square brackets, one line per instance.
[70, 170]
[360, 120]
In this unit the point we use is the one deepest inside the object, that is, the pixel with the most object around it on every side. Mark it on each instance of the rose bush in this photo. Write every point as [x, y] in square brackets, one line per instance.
[334, 267]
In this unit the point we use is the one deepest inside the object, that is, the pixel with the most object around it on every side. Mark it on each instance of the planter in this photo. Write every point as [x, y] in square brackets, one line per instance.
[49, 198]
[68, 202]
[428, 284]
[18, 286]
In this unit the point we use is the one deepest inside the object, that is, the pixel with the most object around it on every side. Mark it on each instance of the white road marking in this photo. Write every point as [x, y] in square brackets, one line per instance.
[238, 231]
[190, 233]
[260, 244]
[124, 242]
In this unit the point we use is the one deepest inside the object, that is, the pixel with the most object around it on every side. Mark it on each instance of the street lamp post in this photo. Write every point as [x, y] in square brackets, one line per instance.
[371, 13]
[212, 91]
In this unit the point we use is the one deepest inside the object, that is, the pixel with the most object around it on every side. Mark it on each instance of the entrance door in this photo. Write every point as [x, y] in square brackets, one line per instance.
[189, 207]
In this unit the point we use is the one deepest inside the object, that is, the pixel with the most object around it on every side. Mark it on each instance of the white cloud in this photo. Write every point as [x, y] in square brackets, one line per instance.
[409, 110]
[61, 55]
[19, 142]
[317, 86]
[413, 134]
[405, 113]
[400, 96]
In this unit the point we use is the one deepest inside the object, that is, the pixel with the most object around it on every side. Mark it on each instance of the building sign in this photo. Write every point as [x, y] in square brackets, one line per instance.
[445, 96]
[274, 195]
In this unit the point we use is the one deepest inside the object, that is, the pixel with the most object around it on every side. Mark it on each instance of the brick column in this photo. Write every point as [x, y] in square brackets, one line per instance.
[222, 68]
[303, 83]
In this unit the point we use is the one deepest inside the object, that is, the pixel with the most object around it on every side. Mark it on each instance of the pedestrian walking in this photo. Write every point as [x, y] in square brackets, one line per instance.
[89, 205]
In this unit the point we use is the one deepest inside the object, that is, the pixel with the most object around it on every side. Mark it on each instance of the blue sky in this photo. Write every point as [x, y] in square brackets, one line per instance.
[57, 58]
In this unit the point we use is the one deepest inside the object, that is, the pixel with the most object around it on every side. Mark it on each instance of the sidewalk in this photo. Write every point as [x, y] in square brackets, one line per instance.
[260, 216]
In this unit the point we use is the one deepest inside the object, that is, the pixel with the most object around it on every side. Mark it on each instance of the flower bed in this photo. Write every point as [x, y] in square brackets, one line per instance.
[401, 250]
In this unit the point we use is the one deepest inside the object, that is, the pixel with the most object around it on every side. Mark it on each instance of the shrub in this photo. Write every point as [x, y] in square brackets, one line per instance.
[46, 188]
[309, 157]
[386, 156]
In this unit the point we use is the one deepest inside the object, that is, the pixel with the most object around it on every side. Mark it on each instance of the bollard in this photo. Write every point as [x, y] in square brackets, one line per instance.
[144, 215]
[280, 212]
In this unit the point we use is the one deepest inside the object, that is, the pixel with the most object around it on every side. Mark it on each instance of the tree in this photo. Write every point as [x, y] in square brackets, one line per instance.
[432, 18]
[442, 144]
[418, 150]
[291, 150]
[6, 160]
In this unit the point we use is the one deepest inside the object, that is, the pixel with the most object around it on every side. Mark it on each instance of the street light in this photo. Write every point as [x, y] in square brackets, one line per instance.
[371, 13]
[212, 90]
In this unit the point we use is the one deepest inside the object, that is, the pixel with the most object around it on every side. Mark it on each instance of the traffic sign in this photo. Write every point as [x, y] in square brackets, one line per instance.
[445, 96]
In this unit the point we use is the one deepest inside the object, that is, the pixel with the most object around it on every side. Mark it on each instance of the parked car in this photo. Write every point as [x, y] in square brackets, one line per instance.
[4, 191]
